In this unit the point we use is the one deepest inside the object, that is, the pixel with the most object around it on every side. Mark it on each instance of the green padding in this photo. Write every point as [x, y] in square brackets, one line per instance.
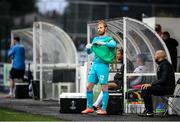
[105, 53]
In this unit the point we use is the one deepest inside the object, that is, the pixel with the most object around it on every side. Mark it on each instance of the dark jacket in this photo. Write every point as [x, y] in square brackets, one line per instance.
[165, 75]
[118, 77]
[172, 47]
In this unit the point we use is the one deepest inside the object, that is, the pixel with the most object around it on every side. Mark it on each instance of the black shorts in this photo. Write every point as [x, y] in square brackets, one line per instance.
[16, 73]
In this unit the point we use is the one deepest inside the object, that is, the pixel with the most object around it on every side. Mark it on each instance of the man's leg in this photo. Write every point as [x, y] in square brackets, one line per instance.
[90, 95]
[112, 85]
[147, 97]
[105, 97]
[103, 72]
[92, 79]
[11, 83]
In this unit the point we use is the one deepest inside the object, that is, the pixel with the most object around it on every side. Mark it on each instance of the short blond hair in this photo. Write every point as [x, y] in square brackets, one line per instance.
[102, 22]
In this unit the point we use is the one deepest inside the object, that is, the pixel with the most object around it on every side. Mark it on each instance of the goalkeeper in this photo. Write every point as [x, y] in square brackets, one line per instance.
[104, 48]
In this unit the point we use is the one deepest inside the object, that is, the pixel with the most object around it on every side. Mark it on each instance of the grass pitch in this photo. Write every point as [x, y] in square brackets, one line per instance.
[11, 115]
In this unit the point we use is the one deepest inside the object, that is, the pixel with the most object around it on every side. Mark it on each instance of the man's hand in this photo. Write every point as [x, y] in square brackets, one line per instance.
[145, 86]
[100, 43]
[88, 46]
[9, 60]
[12, 43]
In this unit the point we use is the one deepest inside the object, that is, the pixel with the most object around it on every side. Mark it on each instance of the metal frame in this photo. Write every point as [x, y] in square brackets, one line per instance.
[38, 66]
[154, 32]
[121, 27]
[125, 64]
[41, 65]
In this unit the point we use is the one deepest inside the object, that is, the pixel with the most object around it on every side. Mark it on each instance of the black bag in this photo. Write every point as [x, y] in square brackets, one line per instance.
[118, 76]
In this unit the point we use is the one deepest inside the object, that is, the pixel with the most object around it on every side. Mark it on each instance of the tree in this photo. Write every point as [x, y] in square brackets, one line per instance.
[8, 10]
[21, 7]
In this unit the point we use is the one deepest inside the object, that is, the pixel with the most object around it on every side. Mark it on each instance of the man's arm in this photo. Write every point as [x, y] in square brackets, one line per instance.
[11, 52]
[164, 72]
[111, 44]
[175, 42]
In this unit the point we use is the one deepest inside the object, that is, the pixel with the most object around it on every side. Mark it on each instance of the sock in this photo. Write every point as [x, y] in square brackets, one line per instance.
[89, 99]
[105, 100]
[99, 99]
[11, 91]
[14, 91]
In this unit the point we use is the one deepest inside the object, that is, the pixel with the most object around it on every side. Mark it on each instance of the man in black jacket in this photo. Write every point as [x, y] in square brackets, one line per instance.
[164, 85]
[172, 47]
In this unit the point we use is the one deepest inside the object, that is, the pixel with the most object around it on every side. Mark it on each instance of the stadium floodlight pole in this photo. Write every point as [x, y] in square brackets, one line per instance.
[125, 64]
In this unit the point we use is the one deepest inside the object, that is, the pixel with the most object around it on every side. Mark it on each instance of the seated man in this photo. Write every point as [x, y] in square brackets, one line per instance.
[136, 81]
[164, 85]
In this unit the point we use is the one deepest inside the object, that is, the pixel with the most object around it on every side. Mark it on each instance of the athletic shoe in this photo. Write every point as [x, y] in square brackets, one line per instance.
[101, 112]
[145, 111]
[146, 114]
[87, 110]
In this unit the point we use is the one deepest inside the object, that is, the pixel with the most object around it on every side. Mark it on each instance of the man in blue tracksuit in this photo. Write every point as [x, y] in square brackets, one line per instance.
[100, 69]
[17, 54]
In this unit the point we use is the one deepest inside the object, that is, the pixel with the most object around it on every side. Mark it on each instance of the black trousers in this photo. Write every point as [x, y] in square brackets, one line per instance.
[154, 90]
[16, 73]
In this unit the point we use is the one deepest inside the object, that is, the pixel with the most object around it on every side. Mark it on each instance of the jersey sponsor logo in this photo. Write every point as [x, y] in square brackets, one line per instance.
[101, 78]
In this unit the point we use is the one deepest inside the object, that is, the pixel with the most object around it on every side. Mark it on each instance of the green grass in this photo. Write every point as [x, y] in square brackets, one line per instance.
[11, 115]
